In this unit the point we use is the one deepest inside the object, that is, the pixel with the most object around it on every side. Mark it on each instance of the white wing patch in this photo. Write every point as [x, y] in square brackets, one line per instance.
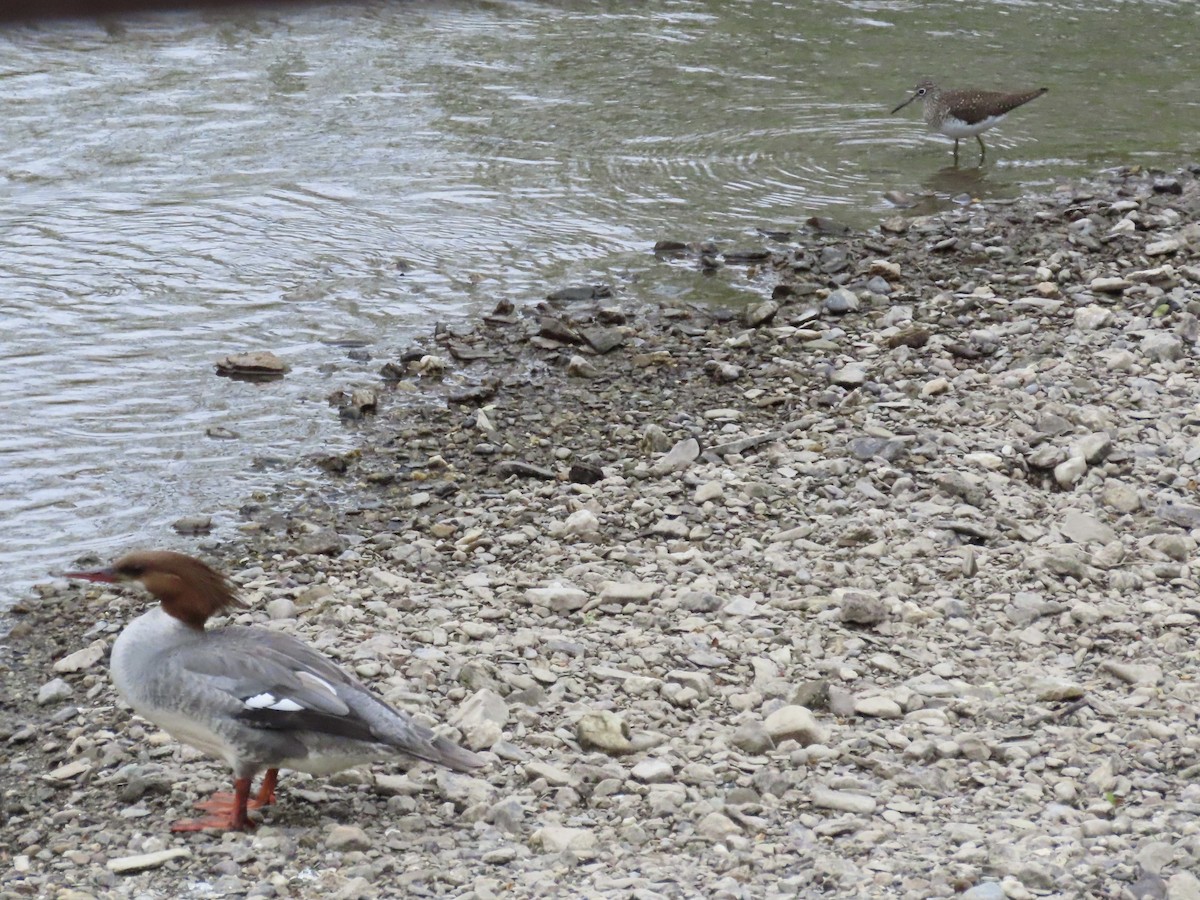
[267, 700]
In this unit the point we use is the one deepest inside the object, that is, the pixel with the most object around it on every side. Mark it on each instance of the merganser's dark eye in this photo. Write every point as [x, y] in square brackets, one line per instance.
[132, 571]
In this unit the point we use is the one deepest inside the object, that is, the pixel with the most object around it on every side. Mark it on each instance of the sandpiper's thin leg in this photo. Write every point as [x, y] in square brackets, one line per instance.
[956, 151]
[982, 149]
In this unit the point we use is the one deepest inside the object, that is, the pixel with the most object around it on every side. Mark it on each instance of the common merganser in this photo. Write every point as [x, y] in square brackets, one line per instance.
[256, 698]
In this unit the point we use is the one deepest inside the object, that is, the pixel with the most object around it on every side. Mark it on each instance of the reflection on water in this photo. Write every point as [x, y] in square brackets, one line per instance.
[179, 187]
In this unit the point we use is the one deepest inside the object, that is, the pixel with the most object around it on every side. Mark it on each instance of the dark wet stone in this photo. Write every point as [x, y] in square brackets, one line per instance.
[261, 365]
[580, 293]
[478, 394]
[833, 260]
[747, 255]
[216, 432]
[670, 248]
[326, 542]
[777, 234]
[337, 464]
[722, 372]
[469, 353]
[557, 330]
[841, 301]
[602, 340]
[761, 314]
[193, 525]
[1052, 425]
[877, 284]
[963, 351]
[826, 225]
[900, 199]
[812, 694]
[523, 470]
[915, 337]
[611, 315]
[1167, 186]
[584, 473]
[864, 448]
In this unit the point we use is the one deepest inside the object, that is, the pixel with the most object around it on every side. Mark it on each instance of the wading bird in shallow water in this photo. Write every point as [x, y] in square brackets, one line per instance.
[258, 699]
[966, 113]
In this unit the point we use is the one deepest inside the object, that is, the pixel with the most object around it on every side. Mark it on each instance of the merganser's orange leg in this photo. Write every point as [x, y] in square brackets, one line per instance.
[221, 800]
[228, 814]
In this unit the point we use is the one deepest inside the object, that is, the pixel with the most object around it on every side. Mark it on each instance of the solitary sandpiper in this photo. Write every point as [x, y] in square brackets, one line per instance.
[966, 113]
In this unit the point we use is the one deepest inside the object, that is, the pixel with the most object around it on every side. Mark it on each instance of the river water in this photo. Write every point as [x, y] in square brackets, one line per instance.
[328, 182]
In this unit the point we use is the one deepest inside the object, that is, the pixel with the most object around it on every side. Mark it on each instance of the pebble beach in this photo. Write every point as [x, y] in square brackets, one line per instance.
[878, 586]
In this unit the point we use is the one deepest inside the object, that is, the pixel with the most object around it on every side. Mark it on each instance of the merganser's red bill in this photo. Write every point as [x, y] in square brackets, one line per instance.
[107, 576]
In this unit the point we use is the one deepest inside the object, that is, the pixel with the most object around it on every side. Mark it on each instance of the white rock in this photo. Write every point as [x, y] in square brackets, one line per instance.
[481, 718]
[1163, 247]
[557, 597]
[1089, 318]
[879, 707]
[653, 771]
[1183, 885]
[581, 522]
[603, 730]
[1161, 346]
[850, 375]
[553, 775]
[1085, 529]
[347, 837]
[1131, 673]
[82, 659]
[54, 691]
[281, 608]
[123, 865]
[710, 490]
[717, 826]
[1094, 447]
[1070, 470]
[581, 367]
[794, 723]
[629, 592]
[679, 457]
[557, 838]
[1108, 285]
[843, 801]
[934, 387]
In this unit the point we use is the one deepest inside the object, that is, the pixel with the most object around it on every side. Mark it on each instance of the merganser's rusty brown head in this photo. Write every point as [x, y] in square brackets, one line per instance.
[188, 589]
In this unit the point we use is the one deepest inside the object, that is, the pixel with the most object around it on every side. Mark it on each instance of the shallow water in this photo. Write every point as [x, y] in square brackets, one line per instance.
[179, 187]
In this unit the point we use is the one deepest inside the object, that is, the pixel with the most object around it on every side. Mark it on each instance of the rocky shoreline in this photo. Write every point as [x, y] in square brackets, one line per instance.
[880, 587]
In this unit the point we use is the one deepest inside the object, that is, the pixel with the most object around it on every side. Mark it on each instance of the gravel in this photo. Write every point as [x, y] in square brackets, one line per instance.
[879, 588]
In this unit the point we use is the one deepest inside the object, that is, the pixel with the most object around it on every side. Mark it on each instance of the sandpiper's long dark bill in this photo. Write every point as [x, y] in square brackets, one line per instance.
[966, 113]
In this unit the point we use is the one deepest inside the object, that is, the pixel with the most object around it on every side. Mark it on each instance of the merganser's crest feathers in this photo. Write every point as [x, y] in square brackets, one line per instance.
[188, 589]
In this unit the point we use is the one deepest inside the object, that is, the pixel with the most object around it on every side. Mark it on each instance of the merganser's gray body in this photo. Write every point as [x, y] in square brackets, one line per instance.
[260, 699]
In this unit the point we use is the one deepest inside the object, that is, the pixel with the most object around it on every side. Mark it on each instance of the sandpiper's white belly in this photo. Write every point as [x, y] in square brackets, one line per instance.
[957, 128]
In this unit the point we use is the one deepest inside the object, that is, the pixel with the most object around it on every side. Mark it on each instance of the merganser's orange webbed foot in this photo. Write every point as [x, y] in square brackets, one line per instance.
[228, 811]
[222, 801]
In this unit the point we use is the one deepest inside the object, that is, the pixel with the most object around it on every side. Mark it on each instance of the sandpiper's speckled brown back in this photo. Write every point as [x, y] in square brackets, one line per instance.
[972, 106]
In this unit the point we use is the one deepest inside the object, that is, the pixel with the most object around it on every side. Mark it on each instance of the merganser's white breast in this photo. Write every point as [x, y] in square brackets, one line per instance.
[138, 658]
